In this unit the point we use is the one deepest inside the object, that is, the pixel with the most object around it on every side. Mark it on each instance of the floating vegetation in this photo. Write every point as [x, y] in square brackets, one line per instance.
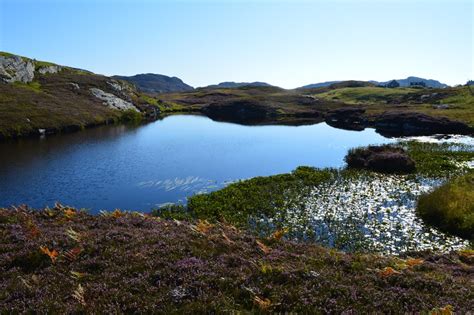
[190, 184]
[372, 212]
[351, 210]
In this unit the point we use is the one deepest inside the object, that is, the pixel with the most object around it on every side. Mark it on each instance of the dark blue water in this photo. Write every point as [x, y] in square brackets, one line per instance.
[165, 161]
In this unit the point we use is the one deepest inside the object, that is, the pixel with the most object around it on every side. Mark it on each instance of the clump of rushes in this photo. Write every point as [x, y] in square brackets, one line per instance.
[450, 207]
[131, 116]
[384, 159]
[126, 262]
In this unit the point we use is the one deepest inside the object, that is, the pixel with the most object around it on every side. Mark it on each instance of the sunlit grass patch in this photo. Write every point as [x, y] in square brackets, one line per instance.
[450, 207]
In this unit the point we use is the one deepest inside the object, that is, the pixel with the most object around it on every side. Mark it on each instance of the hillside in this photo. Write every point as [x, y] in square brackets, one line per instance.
[403, 83]
[38, 97]
[233, 85]
[406, 82]
[156, 83]
[348, 104]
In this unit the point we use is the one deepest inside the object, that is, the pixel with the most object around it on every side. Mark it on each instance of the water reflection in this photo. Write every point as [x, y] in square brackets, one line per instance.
[164, 161]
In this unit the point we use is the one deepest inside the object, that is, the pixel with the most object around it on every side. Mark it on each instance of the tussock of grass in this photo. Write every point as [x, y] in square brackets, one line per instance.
[451, 207]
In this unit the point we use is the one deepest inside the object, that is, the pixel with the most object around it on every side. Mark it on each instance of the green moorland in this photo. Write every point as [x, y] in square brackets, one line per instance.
[50, 102]
[275, 105]
[53, 102]
[62, 101]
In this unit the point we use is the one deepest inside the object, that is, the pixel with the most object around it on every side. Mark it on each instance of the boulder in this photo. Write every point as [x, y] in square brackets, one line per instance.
[383, 159]
[15, 68]
[112, 101]
[49, 69]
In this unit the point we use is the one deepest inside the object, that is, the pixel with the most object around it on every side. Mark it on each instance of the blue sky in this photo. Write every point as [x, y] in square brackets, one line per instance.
[286, 43]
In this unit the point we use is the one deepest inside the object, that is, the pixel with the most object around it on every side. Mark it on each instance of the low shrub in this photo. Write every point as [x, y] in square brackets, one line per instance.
[451, 207]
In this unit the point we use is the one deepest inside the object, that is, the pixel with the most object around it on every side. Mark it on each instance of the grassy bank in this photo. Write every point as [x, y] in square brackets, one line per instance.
[451, 206]
[62, 260]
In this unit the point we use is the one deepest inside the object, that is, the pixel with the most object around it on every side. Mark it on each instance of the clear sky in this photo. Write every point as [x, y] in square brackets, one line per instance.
[286, 43]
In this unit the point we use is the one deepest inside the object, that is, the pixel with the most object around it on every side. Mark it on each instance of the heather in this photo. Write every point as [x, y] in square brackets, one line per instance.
[62, 260]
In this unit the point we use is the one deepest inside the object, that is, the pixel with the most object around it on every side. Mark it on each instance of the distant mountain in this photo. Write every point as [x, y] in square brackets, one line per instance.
[406, 82]
[156, 83]
[317, 85]
[231, 85]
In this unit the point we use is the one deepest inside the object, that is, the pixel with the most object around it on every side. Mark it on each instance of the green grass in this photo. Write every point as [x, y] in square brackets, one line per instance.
[451, 207]
[33, 86]
[41, 64]
[438, 160]
[169, 107]
[246, 202]
[50, 103]
[363, 95]
[131, 116]
[149, 99]
[6, 54]
[259, 196]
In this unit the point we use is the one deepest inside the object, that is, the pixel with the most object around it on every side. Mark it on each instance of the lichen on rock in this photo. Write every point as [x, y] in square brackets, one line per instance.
[16, 68]
[112, 101]
[49, 69]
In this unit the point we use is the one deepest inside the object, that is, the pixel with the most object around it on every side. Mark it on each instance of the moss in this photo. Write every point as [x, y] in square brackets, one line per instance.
[451, 207]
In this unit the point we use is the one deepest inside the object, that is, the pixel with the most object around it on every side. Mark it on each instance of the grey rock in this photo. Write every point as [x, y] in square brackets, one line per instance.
[115, 85]
[75, 86]
[112, 101]
[50, 69]
[441, 106]
[16, 68]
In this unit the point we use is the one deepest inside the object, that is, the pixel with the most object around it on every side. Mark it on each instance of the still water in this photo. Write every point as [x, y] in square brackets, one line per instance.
[140, 168]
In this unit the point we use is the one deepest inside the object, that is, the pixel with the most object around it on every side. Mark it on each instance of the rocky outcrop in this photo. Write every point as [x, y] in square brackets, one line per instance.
[350, 118]
[74, 86]
[49, 69]
[16, 69]
[115, 85]
[416, 124]
[112, 101]
[384, 159]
